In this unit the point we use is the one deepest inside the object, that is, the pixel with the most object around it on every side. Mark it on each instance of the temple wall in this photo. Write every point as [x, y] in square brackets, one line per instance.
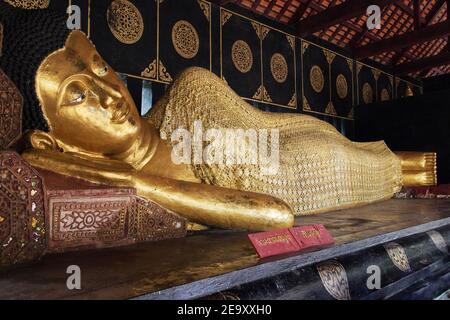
[260, 59]
[413, 124]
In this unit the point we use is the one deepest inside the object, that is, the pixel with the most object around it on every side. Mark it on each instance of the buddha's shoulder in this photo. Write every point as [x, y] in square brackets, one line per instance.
[197, 73]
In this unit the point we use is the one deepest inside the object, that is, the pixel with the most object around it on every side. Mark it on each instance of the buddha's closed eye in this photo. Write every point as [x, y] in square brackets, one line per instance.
[74, 93]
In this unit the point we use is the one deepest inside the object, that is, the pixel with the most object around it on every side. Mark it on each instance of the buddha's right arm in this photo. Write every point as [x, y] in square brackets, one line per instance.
[200, 203]
[216, 206]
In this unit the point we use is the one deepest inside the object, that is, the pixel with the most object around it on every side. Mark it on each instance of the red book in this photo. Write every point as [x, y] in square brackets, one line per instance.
[312, 236]
[273, 243]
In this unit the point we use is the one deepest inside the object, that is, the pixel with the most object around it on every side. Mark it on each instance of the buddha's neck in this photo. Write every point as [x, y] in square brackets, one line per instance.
[143, 148]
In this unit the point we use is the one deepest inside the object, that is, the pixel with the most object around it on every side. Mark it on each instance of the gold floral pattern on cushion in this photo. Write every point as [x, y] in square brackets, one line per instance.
[11, 104]
[1, 39]
[22, 211]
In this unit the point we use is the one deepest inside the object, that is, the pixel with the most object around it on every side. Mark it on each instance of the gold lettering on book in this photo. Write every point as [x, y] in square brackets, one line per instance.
[310, 233]
[274, 239]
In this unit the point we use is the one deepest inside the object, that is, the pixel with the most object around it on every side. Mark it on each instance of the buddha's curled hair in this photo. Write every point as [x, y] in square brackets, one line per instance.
[29, 36]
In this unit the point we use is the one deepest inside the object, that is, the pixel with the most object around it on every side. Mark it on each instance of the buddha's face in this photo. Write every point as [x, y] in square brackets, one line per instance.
[87, 106]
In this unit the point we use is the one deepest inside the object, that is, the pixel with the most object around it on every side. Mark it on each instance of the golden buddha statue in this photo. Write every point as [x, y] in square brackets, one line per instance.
[83, 123]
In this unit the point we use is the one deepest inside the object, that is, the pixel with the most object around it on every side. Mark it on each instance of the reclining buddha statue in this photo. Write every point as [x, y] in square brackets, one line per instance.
[82, 122]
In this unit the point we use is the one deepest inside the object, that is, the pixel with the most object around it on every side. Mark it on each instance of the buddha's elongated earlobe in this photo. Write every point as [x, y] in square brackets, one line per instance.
[43, 141]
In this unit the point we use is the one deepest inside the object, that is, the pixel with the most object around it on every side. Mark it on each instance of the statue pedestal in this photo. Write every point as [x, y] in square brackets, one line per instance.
[224, 264]
[81, 215]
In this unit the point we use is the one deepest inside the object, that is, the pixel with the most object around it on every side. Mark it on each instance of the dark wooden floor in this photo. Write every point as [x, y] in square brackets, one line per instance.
[127, 272]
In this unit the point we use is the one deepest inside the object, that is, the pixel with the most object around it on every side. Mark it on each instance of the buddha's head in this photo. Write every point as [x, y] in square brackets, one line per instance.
[72, 99]
[85, 103]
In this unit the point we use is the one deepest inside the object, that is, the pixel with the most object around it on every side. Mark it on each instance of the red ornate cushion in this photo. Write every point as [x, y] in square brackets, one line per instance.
[82, 216]
[11, 103]
[22, 216]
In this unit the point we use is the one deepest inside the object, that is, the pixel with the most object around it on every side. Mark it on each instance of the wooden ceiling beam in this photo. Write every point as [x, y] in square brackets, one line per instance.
[284, 9]
[304, 5]
[416, 14]
[336, 15]
[425, 63]
[434, 11]
[223, 2]
[431, 15]
[410, 11]
[269, 8]
[317, 7]
[432, 32]
[323, 32]
[358, 37]
[256, 4]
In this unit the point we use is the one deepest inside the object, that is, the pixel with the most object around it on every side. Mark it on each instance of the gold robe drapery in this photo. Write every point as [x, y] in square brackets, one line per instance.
[319, 169]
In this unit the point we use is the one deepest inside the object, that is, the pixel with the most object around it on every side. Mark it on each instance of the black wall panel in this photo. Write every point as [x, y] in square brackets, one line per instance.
[156, 39]
[327, 82]
[184, 36]
[60, 6]
[241, 55]
[279, 66]
[419, 123]
[316, 79]
[84, 5]
[385, 87]
[406, 89]
[342, 93]
[131, 58]
[367, 84]
[373, 85]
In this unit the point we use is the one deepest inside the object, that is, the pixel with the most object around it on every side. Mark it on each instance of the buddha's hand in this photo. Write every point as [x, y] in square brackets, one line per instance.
[99, 171]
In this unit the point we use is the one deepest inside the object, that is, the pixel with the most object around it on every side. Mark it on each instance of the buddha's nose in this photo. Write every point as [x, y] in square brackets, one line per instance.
[109, 92]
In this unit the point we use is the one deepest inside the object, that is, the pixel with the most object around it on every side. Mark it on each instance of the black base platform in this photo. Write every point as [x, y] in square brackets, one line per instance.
[407, 240]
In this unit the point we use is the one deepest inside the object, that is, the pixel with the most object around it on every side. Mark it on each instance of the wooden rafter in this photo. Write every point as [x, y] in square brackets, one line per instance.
[223, 2]
[416, 14]
[256, 4]
[410, 11]
[431, 15]
[304, 5]
[425, 63]
[336, 15]
[434, 11]
[284, 9]
[317, 7]
[324, 30]
[359, 36]
[348, 29]
[434, 31]
[269, 8]
[399, 3]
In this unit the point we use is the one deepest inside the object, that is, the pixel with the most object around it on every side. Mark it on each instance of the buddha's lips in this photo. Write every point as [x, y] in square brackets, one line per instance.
[120, 113]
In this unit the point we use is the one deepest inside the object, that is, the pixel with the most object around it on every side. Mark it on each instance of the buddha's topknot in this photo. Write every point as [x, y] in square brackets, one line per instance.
[29, 36]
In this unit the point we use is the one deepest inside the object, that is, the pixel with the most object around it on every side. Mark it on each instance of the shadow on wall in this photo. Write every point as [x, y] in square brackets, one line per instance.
[419, 123]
